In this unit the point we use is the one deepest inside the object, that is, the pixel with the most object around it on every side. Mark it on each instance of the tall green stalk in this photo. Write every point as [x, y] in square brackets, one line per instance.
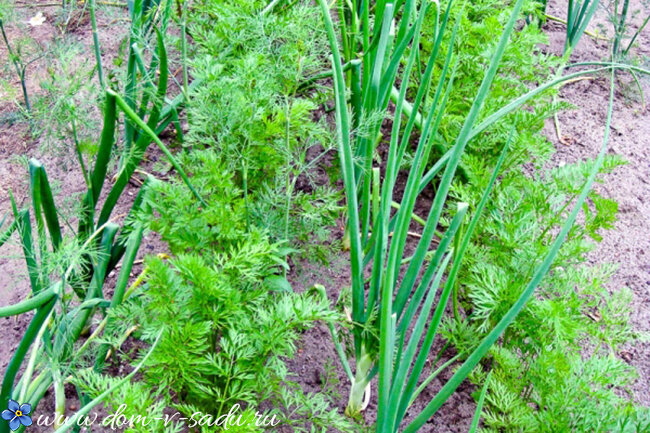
[186, 84]
[579, 14]
[101, 243]
[19, 355]
[619, 26]
[516, 308]
[400, 300]
[98, 53]
[142, 94]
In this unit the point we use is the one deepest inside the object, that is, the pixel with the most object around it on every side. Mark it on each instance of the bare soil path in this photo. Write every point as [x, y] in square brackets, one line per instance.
[627, 245]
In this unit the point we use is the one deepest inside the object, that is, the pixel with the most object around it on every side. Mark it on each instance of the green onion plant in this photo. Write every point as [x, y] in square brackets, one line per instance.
[67, 273]
[399, 298]
[149, 24]
[579, 14]
[92, 7]
[619, 50]
[620, 28]
[183, 18]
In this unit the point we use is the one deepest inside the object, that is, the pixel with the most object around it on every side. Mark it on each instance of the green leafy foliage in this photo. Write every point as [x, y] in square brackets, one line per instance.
[523, 66]
[222, 317]
[229, 317]
[537, 370]
[553, 382]
[72, 265]
[65, 110]
[401, 359]
[234, 332]
[248, 109]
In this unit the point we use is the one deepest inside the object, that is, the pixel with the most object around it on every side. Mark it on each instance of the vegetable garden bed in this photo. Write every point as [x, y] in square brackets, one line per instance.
[413, 216]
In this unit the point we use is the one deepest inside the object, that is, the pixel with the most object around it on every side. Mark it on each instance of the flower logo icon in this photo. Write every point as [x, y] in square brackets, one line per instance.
[17, 414]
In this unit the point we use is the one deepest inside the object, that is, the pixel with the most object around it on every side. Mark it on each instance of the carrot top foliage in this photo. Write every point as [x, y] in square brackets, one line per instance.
[413, 128]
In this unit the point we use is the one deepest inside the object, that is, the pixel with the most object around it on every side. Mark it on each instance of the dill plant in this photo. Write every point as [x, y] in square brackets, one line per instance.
[68, 273]
[65, 111]
[68, 267]
[21, 53]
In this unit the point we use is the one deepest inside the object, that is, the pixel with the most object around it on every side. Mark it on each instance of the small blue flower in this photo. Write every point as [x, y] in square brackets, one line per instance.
[17, 414]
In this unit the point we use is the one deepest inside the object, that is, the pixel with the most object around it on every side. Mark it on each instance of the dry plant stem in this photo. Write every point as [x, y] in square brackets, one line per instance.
[563, 21]
[103, 323]
[556, 120]
[559, 73]
[136, 262]
[409, 233]
[127, 334]
[20, 68]
[575, 80]
[94, 335]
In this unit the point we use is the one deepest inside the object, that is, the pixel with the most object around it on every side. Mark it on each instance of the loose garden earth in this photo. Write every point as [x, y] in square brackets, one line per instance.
[275, 241]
